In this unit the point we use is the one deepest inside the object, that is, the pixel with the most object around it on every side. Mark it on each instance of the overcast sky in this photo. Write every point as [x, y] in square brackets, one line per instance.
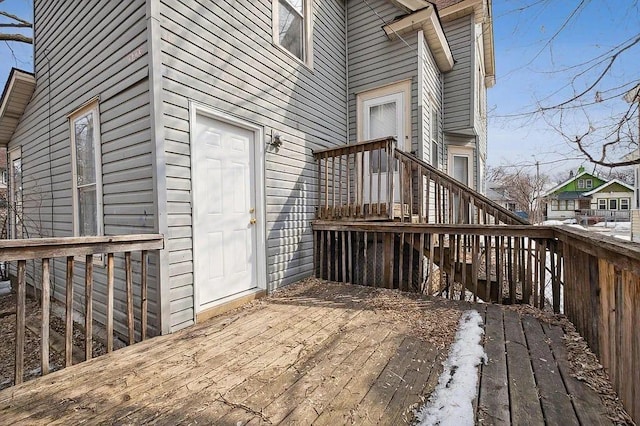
[525, 67]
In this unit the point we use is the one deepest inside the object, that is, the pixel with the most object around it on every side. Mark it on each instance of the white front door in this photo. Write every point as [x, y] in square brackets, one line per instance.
[224, 213]
[382, 117]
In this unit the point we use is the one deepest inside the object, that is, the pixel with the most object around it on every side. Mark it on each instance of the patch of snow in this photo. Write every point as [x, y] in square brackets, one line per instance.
[552, 222]
[573, 225]
[451, 403]
[623, 237]
[569, 221]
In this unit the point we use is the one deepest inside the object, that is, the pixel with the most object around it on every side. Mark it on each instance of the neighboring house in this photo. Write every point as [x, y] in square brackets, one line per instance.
[197, 120]
[500, 194]
[589, 198]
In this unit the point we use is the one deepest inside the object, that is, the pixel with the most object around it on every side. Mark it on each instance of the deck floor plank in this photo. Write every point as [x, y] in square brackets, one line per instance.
[523, 394]
[493, 407]
[230, 365]
[587, 403]
[312, 342]
[422, 373]
[556, 405]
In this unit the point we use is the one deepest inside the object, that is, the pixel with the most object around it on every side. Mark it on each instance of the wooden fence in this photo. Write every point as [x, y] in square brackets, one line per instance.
[602, 299]
[47, 249]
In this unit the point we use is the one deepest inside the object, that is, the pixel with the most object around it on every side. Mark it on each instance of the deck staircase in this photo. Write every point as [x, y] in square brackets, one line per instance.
[405, 191]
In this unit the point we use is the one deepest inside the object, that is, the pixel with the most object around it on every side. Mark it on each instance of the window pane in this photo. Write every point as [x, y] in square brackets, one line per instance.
[297, 5]
[382, 123]
[461, 169]
[435, 154]
[87, 211]
[291, 28]
[613, 204]
[602, 204]
[434, 125]
[16, 199]
[624, 204]
[85, 154]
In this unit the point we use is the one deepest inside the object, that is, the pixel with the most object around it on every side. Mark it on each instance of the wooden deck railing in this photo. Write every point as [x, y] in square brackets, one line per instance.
[593, 279]
[374, 180]
[46, 249]
[602, 299]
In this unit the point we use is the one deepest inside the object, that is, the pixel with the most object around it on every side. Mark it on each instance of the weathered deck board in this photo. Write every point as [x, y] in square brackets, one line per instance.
[523, 394]
[493, 404]
[586, 401]
[554, 397]
[306, 358]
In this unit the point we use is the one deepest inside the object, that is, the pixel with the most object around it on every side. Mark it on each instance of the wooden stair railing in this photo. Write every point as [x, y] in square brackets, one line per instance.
[374, 180]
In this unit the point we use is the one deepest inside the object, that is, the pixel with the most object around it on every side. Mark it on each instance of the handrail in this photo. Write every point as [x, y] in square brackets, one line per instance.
[460, 186]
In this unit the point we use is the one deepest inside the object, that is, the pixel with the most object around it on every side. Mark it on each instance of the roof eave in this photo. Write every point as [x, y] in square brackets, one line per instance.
[16, 96]
[481, 10]
[427, 20]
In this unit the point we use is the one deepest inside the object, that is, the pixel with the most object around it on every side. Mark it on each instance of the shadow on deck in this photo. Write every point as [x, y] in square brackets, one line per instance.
[315, 353]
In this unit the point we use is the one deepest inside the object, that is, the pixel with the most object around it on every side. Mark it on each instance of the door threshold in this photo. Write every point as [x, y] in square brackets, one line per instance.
[229, 303]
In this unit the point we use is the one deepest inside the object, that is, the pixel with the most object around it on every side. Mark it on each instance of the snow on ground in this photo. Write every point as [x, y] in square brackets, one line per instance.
[451, 403]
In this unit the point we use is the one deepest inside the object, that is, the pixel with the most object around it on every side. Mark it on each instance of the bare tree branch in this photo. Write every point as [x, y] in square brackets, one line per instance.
[15, 18]
[21, 38]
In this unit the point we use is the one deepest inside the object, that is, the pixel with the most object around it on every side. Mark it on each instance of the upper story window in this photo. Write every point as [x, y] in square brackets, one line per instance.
[435, 145]
[588, 183]
[86, 165]
[292, 28]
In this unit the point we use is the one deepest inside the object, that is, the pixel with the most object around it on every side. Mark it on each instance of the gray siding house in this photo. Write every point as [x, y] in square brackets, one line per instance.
[197, 120]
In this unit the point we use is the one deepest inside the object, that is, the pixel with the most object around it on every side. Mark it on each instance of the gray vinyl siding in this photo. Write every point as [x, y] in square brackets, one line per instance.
[84, 52]
[375, 61]
[431, 97]
[458, 83]
[221, 54]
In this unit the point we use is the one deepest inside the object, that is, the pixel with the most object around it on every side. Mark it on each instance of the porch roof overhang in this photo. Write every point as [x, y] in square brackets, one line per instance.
[425, 19]
[15, 98]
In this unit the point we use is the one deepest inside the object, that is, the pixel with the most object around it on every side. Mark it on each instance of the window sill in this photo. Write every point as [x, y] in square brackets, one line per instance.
[307, 64]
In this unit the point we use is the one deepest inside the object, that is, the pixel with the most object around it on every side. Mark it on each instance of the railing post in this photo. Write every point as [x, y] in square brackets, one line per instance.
[88, 310]
[143, 295]
[68, 330]
[390, 177]
[44, 341]
[110, 279]
[21, 297]
[129, 289]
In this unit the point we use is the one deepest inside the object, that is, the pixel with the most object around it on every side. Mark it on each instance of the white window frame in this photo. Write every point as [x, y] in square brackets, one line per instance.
[613, 202]
[364, 100]
[434, 130]
[580, 183]
[555, 205]
[461, 151]
[588, 183]
[92, 107]
[15, 155]
[307, 37]
[627, 204]
[602, 204]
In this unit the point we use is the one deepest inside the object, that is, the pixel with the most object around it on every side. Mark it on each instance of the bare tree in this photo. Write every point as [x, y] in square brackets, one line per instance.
[596, 108]
[523, 187]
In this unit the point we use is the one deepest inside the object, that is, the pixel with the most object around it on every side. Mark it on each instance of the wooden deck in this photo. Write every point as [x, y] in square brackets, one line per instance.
[325, 354]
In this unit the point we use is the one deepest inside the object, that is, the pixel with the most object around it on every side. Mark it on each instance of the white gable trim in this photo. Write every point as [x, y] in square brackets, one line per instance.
[427, 21]
[601, 187]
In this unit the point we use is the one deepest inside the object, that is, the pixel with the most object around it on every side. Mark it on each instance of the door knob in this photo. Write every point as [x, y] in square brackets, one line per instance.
[253, 221]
